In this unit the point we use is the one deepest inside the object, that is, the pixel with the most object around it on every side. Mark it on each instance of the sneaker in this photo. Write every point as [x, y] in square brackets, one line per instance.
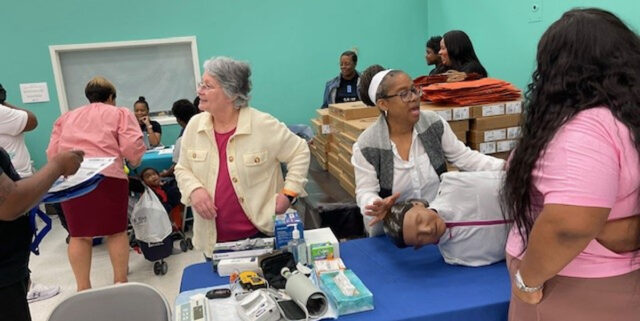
[39, 292]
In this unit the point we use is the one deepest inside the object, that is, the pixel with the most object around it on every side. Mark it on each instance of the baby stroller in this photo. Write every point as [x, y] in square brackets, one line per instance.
[153, 232]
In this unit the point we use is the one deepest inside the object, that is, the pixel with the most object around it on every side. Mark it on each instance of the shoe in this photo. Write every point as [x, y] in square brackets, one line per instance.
[39, 292]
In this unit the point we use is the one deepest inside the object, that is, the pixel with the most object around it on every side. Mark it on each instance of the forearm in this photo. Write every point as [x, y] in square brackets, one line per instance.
[550, 248]
[154, 138]
[28, 192]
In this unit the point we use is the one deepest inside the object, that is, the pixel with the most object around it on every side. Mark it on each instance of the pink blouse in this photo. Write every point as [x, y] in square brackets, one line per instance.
[590, 162]
[100, 130]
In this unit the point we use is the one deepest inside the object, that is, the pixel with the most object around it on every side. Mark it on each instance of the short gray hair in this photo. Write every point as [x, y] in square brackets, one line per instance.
[233, 76]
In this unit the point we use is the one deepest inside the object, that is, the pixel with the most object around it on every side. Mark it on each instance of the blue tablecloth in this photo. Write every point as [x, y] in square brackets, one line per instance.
[156, 160]
[407, 284]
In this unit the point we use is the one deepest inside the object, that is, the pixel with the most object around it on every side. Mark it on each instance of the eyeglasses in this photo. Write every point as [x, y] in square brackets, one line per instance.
[204, 85]
[405, 95]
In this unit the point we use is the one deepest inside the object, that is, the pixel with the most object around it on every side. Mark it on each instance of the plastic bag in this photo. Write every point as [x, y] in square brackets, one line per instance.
[149, 219]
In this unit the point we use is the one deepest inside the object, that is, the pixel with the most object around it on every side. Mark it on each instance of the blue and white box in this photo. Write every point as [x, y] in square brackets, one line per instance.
[284, 226]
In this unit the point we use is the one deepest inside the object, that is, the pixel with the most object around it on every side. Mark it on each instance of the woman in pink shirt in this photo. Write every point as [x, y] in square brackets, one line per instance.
[573, 183]
[101, 130]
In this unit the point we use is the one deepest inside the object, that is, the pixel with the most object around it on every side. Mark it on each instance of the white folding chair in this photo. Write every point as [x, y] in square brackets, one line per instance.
[126, 301]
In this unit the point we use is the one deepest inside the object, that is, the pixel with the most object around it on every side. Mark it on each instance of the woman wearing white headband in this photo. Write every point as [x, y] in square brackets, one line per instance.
[402, 155]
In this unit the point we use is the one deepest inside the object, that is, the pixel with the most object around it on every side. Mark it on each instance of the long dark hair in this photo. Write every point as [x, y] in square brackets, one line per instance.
[588, 58]
[460, 50]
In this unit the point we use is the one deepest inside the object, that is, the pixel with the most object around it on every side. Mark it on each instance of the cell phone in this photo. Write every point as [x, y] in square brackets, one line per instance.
[218, 294]
[291, 310]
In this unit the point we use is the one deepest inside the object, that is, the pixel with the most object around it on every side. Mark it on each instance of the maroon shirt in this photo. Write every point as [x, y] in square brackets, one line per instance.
[231, 222]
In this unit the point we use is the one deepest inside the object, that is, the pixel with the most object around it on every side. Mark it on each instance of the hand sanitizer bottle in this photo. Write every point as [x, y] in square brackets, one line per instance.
[297, 246]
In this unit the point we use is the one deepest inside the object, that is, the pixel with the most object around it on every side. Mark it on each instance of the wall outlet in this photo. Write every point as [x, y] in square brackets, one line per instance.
[535, 11]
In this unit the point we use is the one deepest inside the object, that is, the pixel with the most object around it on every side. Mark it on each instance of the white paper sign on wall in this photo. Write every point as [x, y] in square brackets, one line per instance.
[34, 92]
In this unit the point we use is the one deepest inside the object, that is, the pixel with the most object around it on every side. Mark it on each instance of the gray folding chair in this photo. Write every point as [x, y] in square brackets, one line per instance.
[127, 301]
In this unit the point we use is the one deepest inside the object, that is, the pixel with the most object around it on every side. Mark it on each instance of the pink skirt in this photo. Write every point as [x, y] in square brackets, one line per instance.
[101, 212]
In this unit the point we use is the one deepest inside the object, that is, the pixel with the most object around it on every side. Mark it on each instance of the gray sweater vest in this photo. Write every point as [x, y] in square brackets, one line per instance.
[375, 145]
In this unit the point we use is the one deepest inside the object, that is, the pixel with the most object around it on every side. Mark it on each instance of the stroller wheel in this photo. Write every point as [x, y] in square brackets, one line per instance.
[157, 268]
[189, 243]
[164, 267]
[184, 246]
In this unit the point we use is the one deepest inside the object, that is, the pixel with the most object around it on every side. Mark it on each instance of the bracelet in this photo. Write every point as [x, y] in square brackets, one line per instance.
[523, 287]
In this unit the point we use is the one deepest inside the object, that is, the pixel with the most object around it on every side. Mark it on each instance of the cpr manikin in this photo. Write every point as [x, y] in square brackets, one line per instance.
[464, 220]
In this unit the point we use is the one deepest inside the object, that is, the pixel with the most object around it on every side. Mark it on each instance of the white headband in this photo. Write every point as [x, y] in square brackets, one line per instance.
[375, 83]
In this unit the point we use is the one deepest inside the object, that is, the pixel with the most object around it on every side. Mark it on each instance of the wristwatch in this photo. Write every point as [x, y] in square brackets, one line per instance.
[290, 195]
[523, 287]
[292, 199]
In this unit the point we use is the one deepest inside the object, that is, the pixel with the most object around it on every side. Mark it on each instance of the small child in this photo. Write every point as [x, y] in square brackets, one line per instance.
[465, 220]
[167, 191]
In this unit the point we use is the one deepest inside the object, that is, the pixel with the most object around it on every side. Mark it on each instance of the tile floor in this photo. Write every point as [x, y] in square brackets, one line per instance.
[52, 267]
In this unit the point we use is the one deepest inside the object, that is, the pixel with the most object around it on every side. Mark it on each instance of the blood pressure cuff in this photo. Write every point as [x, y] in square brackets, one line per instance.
[271, 265]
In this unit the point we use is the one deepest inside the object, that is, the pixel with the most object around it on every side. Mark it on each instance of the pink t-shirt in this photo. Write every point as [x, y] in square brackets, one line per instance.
[100, 130]
[591, 162]
[231, 222]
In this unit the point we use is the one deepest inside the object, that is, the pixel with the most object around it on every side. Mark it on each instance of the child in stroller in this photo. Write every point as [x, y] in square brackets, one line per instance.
[168, 194]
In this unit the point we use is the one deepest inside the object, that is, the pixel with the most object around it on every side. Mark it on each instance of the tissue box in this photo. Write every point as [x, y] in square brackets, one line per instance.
[321, 243]
[362, 301]
[283, 228]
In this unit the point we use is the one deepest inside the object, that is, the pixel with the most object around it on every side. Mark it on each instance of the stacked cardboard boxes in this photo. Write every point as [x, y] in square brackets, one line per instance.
[322, 137]
[495, 128]
[348, 121]
[491, 129]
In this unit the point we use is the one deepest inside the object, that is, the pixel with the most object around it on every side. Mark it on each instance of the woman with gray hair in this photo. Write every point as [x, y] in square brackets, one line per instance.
[229, 166]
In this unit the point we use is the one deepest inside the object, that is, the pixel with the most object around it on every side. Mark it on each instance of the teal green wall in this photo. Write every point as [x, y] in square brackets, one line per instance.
[504, 39]
[292, 45]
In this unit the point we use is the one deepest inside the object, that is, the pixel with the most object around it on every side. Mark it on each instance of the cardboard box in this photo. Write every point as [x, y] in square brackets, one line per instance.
[347, 167]
[490, 135]
[334, 169]
[323, 115]
[348, 138]
[485, 148]
[459, 125]
[487, 110]
[336, 124]
[505, 145]
[449, 113]
[462, 136]
[502, 155]
[345, 149]
[284, 226]
[495, 147]
[353, 110]
[322, 236]
[502, 121]
[357, 126]
[513, 107]
[514, 132]
[319, 128]
[348, 184]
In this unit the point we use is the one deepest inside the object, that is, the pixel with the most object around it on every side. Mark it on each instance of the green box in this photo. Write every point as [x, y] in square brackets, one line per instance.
[321, 251]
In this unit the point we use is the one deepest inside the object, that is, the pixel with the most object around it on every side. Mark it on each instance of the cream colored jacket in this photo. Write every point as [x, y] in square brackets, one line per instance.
[254, 153]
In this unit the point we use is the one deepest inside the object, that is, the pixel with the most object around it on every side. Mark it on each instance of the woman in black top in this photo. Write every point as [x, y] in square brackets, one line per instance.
[150, 128]
[457, 53]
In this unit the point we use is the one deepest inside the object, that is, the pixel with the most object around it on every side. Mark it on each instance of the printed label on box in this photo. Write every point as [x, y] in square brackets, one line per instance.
[514, 107]
[461, 113]
[513, 132]
[326, 129]
[446, 114]
[493, 110]
[506, 145]
[493, 135]
[487, 148]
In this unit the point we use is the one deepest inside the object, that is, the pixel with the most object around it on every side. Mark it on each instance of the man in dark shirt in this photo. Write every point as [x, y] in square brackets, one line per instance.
[16, 198]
